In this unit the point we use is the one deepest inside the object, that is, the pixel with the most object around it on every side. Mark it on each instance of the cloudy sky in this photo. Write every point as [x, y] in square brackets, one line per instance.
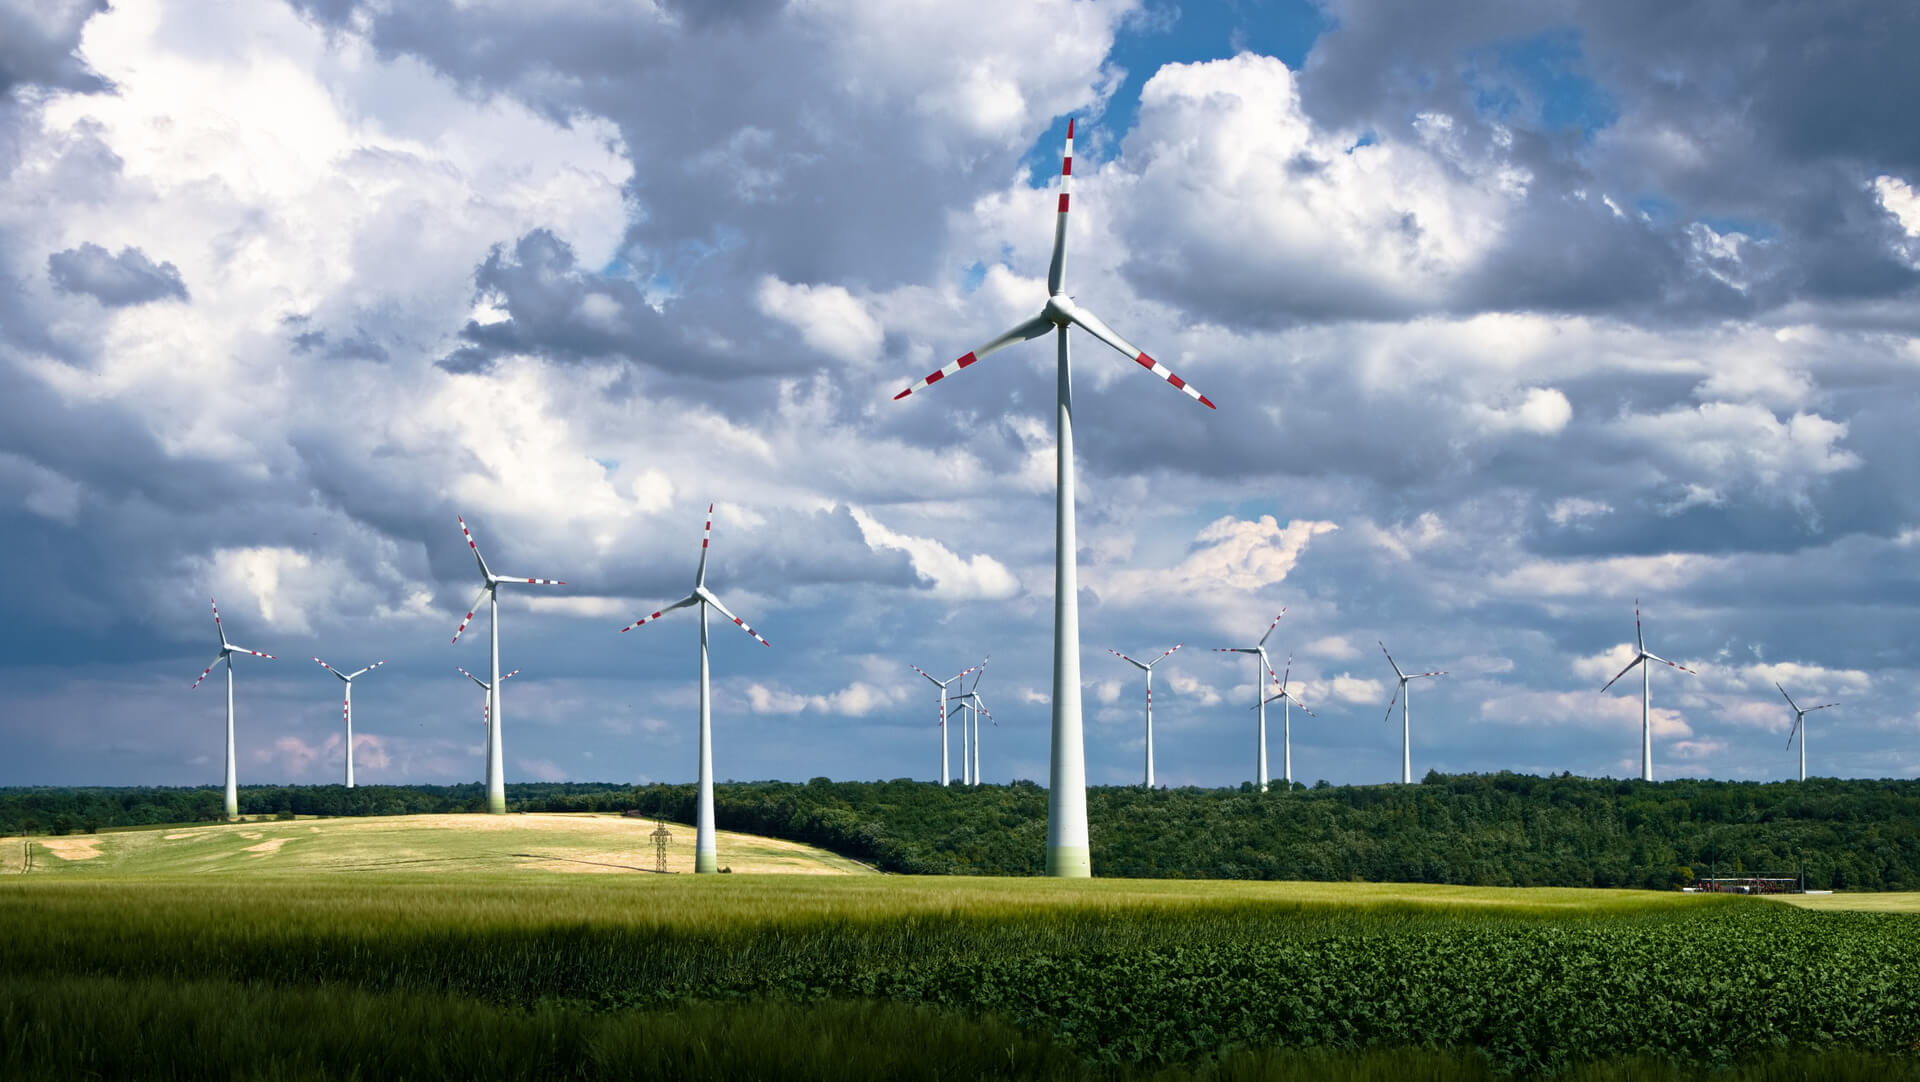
[1514, 311]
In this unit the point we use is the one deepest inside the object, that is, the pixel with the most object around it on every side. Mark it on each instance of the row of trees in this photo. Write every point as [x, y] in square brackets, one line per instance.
[1486, 829]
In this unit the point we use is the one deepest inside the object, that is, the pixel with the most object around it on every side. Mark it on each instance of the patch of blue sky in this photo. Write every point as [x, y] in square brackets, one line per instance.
[971, 277]
[1539, 82]
[1169, 33]
[1754, 228]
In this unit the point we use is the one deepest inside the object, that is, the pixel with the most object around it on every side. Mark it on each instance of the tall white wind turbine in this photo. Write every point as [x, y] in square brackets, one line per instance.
[706, 858]
[945, 771]
[1404, 695]
[976, 707]
[970, 731]
[1067, 847]
[1640, 657]
[496, 770]
[1262, 668]
[1147, 667]
[346, 710]
[1288, 701]
[227, 650]
[1800, 726]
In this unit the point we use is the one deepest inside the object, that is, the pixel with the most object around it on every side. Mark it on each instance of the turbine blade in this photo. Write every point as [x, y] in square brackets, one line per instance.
[1822, 706]
[1390, 661]
[981, 674]
[1270, 627]
[531, 582]
[471, 609]
[1623, 672]
[1100, 330]
[1056, 270]
[475, 679]
[967, 670]
[1676, 665]
[928, 675]
[1789, 698]
[1168, 654]
[343, 676]
[680, 604]
[364, 671]
[477, 558]
[706, 538]
[238, 649]
[218, 629]
[1032, 328]
[1418, 675]
[511, 675]
[210, 665]
[1129, 660]
[1798, 717]
[715, 602]
[1285, 676]
[1397, 689]
[1639, 640]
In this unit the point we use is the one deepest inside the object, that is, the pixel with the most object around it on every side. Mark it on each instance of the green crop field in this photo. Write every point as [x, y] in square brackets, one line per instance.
[475, 947]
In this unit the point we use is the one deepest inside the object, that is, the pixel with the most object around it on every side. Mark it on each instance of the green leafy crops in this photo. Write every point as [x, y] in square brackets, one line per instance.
[1119, 974]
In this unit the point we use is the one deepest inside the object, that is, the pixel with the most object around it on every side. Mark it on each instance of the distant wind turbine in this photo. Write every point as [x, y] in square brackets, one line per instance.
[975, 706]
[1404, 695]
[346, 711]
[706, 858]
[945, 773]
[227, 650]
[1147, 667]
[486, 704]
[1800, 726]
[970, 733]
[1263, 667]
[1068, 853]
[1287, 702]
[496, 770]
[1640, 657]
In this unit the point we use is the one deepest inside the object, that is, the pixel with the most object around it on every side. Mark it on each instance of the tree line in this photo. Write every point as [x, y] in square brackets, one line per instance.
[1473, 829]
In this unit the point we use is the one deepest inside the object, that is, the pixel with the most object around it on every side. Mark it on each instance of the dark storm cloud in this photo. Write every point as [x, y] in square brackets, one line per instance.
[1767, 118]
[38, 42]
[115, 280]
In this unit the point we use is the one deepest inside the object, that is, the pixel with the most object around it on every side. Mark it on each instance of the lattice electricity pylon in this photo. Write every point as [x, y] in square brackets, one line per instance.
[661, 836]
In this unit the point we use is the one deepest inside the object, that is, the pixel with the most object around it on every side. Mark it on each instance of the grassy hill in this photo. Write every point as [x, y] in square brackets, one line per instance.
[558, 844]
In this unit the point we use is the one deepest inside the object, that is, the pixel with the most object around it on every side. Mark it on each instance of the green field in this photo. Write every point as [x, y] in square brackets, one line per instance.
[477, 947]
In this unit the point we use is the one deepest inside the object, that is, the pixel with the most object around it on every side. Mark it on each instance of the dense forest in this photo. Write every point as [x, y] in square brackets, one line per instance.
[1488, 829]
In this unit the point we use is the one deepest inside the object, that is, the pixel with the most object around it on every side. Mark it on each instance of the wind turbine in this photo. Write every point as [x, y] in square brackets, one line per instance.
[1287, 701]
[1262, 667]
[346, 711]
[1067, 848]
[486, 709]
[975, 706]
[496, 771]
[706, 858]
[227, 650]
[1640, 657]
[1147, 667]
[1404, 696]
[1800, 726]
[942, 685]
[970, 733]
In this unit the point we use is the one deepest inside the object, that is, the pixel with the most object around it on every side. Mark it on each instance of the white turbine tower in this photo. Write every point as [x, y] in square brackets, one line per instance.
[496, 769]
[346, 710]
[970, 732]
[1288, 701]
[706, 858]
[1800, 726]
[227, 650]
[945, 774]
[1404, 695]
[1640, 657]
[1067, 847]
[1263, 666]
[1147, 667]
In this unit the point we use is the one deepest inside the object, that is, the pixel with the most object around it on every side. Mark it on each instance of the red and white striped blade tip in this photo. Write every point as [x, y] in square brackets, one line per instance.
[963, 362]
[1165, 373]
[643, 620]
